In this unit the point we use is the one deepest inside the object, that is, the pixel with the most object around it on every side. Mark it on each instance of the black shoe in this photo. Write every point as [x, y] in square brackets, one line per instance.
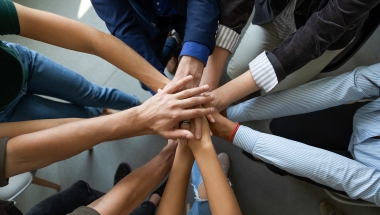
[122, 170]
[160, 190]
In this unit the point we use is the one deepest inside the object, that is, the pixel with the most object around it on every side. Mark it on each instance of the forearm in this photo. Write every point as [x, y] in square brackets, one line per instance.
[324, 167]
[13, 129]
[234, 90]
[219, 191]
[173, 200]
[73, 35]
[39, 149]
[213, 71]
[133, 189]
[313, 96]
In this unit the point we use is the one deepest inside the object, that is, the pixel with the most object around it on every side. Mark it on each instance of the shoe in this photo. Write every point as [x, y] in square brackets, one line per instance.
[160, 190]
[122, 170]
[173, 62]
[328, 208]
[225, 162]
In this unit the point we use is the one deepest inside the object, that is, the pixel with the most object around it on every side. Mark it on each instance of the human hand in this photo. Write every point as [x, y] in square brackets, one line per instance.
[162, 112]
[205, 140]
[219, 124]
[191, 66]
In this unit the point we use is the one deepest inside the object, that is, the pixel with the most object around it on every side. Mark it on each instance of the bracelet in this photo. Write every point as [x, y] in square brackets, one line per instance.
[234, 132]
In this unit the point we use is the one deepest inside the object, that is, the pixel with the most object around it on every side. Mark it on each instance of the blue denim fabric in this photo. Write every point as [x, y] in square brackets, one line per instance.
[51, 79]
[200, 206]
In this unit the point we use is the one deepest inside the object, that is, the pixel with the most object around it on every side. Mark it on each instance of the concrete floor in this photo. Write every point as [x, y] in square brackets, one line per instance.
[258, 190]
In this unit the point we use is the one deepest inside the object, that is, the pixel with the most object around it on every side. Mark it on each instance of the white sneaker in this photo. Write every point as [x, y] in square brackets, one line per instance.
[225, 162]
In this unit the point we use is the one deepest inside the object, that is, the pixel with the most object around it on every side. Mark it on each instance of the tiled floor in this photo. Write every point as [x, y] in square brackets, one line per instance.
[258, 190]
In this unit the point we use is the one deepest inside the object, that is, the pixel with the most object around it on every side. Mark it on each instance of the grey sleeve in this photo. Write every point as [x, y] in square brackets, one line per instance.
[84, 211]
[3, 149]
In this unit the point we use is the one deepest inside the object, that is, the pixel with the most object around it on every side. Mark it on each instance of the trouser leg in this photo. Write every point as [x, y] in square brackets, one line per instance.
[51, 79]
[200, 206]
[79, 194]
[146, 208]
[256, 39]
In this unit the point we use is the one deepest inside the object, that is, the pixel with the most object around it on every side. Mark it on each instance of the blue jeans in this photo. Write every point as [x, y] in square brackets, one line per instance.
[48, 78]
[200, 206]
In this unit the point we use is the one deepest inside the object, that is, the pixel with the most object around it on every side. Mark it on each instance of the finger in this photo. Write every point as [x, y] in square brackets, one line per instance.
[193, 113]
[192, 92]
[174, 86]
[178, 134]
[195, 101]
[198, 128]
[211, 133]
[210, 118]
[186, 127]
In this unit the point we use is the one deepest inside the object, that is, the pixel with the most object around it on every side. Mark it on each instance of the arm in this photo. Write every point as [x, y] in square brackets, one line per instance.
[70, 34]
[317, 95]
[324, 167]
[221, 197]
[125, 196]
[160, 114]
[173, 200]
[13, 129]
[199, 42]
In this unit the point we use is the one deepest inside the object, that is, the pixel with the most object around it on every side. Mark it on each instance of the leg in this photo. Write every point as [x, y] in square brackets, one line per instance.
[51, 79]
[79, 194]
[329, 129]
[32, 107]
[256, 39]
[146, 208]
[200, 205]
[42, 182]
[307, 72]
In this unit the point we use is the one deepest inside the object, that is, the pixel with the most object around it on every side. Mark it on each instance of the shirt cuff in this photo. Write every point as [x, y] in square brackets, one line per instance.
[197, 50]
[245, 138]
[227, 38]
[263, 72]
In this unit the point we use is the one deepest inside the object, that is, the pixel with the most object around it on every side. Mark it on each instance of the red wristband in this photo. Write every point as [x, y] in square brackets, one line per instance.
[234, 132]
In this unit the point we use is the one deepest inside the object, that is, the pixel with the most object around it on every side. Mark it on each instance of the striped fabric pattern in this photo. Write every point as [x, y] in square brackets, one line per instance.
[263, 72]
[227, 38]
[360, 178]
[284, 22]
[324, 167]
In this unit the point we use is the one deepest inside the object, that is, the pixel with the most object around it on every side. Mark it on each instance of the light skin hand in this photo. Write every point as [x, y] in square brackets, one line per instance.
[191, 66]
[163, 112]
[221, 127]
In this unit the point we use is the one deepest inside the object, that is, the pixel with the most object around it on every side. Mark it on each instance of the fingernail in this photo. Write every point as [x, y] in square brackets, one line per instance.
[212, 120]
[205, 87]
[198, 136]
[212, 96]
[188, 136]
[212, 109]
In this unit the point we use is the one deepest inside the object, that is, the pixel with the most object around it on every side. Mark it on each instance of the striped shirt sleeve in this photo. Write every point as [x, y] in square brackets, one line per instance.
[227, 38]
[321, 166]
[263, 72]
[317, 95]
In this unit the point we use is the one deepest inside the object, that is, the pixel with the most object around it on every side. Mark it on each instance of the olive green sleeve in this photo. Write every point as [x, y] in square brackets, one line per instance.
[9, 23]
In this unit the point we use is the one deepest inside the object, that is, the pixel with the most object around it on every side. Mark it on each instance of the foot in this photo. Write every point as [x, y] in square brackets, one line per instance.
[160, 190]
[122, 170]
[173, 62]
[225, 162]
[329, 208]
